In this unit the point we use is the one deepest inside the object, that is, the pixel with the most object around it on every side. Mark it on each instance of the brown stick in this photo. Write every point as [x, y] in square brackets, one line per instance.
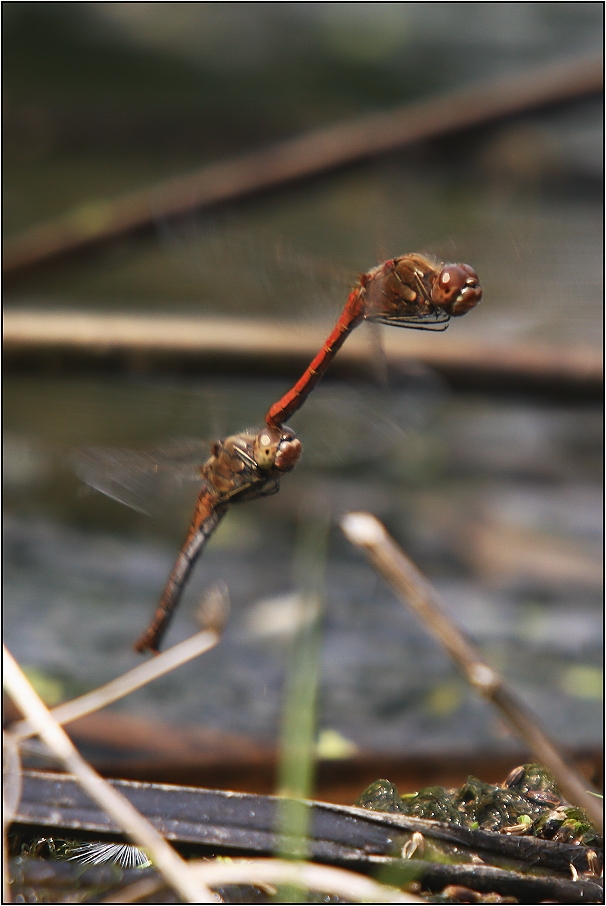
[299, 158]
[79, 339]
[414, 590]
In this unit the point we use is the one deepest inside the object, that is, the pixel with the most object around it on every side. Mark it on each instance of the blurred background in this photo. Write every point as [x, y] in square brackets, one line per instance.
[491, 479]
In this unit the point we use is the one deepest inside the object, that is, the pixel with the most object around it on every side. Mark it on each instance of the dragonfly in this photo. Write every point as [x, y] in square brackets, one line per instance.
[242, 467]
[410, 291]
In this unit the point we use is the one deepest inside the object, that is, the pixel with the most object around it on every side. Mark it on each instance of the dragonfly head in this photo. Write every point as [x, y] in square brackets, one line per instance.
[278, 448]
[457, 289]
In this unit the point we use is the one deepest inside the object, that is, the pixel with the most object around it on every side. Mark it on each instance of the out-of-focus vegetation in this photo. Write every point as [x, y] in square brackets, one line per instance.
[102, 96]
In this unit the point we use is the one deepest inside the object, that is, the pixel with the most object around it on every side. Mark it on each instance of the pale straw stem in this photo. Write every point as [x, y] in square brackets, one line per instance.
[349, 886]
[123, 685]
[176, 871]
[335, 881]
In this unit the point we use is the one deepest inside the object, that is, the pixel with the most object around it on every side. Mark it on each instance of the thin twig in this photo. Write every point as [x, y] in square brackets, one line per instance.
[414, 590]
[123, 685]
[339, 882]
[143, 834]
[336, 881]
[311, 154]
[12, 779]
[12, 786]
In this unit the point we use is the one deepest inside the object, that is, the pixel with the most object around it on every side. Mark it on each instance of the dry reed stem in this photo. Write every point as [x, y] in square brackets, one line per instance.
[174, 869]
[339, 882]
[414, 590]
[11, 779]
[307, 155]
[123, 685]
[336, 881]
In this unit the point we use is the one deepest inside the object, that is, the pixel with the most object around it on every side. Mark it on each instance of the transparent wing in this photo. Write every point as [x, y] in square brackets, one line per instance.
[437, 320]
[141, 479]
[353, 425]
[249, 271]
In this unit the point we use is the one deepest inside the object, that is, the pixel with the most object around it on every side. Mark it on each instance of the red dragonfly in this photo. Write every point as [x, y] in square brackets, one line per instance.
[410, 291]
[242, 467]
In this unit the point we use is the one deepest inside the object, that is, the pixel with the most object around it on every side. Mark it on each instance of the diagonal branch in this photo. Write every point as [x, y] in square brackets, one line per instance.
[309, 155]
[415, 591]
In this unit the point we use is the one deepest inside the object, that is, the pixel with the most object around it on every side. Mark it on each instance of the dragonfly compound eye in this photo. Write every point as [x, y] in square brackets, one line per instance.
[289, 452]
[457, 289]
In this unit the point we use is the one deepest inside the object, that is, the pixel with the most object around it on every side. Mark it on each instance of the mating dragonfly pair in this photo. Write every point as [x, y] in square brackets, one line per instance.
[410, 291]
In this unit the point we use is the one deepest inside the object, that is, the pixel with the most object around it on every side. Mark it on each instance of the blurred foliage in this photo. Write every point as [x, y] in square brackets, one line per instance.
[76, 73]
[49, 688]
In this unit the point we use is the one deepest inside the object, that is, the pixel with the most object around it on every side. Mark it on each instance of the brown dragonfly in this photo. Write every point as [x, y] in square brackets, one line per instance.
[242, 467]
[411, 291]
